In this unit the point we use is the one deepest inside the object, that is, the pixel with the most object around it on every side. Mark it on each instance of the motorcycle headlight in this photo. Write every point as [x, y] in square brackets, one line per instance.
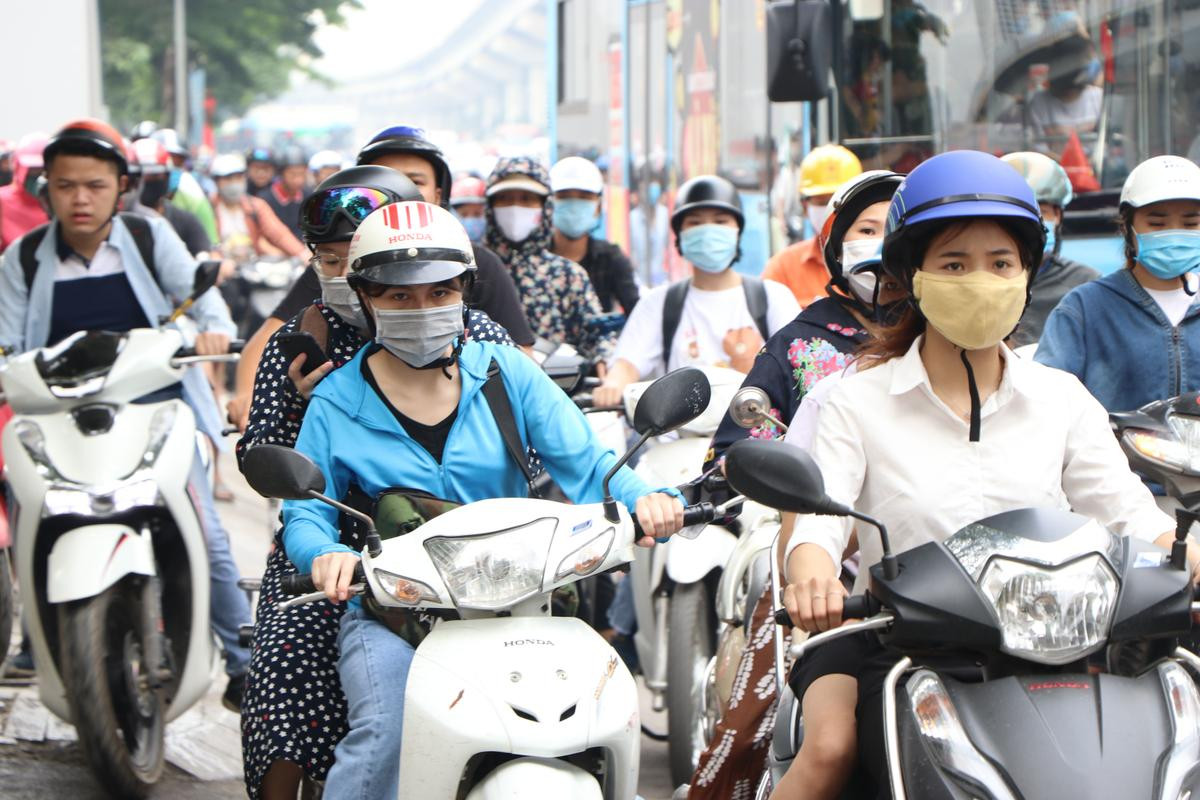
[947, 740]
[160, 428]
[1052, 615]
[496, 570]
[1183, 704]
[1188, 430]
[586, 558]
[29, 433]
[101, 501]
[406, 590]
[1162, 449]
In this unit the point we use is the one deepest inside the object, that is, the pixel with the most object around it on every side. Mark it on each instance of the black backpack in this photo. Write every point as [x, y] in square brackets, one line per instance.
[139, 228]
[756, 304]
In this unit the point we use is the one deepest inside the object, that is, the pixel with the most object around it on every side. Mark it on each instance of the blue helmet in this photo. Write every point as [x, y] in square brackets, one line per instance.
[959, 185]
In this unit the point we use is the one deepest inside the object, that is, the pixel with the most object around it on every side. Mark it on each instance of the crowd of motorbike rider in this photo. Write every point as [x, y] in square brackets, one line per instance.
[887, 341]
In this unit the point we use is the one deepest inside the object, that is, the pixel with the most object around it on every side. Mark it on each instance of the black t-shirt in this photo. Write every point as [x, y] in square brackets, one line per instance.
[611, 274]
[431, 437]
[494, 293]
[287, 211]
[189, 228]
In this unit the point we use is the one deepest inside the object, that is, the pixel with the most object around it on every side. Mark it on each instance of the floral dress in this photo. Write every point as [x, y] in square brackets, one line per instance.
[293, 708]
[557, 293]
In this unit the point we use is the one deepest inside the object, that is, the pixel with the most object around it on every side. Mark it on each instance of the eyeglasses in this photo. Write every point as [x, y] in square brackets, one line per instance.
[321, 212]
[327, 263]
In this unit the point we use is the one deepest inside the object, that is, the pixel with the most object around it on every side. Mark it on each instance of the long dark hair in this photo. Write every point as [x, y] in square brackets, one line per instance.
[896, 339]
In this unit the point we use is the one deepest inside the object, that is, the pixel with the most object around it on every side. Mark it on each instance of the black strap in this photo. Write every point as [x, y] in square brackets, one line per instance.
[756, 303]
[498, 402]
[139, 229]
[973, 388]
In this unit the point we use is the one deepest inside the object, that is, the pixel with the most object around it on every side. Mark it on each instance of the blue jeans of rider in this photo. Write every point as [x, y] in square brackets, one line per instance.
[373, 665]
[228, 607]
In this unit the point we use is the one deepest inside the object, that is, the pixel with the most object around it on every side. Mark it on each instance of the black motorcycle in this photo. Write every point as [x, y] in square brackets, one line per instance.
[1003, 684]
[1162, 441]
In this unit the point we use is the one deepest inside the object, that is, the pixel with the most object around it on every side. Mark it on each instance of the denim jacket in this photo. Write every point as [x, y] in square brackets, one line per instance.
[1116, 339]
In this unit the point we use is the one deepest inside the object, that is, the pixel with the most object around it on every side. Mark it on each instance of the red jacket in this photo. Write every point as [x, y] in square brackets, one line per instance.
[20, 212]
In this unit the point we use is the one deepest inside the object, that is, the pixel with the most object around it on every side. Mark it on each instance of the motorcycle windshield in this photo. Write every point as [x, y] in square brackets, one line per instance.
[401, 511]
[83, 357]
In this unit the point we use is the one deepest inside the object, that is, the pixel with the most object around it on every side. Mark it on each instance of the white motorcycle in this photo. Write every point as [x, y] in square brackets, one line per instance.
[111, 557]
[506, 702]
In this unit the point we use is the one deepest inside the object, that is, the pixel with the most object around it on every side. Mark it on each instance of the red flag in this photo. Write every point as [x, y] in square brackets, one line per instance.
[1083, 179]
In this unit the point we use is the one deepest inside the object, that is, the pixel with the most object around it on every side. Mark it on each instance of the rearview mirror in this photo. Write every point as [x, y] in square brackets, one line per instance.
[779, 476]
[799, 50]
[273, 470]
[207, 273]
[749, 407]
[675, 399]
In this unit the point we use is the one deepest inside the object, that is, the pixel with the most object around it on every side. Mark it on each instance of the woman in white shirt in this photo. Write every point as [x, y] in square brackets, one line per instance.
[942, 425]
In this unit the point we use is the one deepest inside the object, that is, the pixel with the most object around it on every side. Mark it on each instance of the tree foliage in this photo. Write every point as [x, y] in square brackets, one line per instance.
[249, 48]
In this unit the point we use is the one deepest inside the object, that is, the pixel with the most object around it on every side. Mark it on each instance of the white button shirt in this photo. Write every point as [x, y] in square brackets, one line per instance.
[890, 448]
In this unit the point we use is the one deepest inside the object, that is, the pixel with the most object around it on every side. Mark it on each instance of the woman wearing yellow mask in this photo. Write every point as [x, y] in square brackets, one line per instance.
[941, 426]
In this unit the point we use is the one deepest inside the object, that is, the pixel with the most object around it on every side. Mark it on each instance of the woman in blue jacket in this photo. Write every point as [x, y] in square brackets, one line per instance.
[1133, 337]
[409, 412]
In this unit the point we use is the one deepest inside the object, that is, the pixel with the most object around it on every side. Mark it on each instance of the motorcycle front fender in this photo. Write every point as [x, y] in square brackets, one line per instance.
[86, 561]
[689, 560]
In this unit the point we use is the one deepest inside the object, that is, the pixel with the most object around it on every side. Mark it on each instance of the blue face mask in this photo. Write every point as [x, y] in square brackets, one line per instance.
[1169, 254]
[575, 217]
[1051, 236]
[474, 226]
[709, 247]
[653, 193]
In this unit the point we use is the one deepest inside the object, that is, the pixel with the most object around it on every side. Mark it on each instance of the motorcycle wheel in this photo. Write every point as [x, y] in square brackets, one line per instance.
[118, 715]
[691, 643]
[7, 606]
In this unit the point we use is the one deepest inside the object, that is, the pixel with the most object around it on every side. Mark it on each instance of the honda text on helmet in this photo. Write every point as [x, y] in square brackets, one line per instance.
[576, 184]
[392, 146]
[414, 244]
[708, 243]
[1160, 212]
[854, 261]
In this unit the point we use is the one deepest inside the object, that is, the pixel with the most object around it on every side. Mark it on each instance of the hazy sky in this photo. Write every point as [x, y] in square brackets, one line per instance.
[385, 34]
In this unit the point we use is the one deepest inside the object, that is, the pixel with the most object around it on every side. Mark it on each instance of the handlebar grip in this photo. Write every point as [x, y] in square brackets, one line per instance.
[237, 345]
[297, 584]
[782, 618]
[698, 514]
[583, 400]
[857, 606]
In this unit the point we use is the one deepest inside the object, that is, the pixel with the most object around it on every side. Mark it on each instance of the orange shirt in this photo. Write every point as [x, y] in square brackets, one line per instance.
[801, 268]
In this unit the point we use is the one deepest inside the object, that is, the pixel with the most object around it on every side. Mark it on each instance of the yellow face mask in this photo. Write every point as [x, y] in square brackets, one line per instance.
[973, 311]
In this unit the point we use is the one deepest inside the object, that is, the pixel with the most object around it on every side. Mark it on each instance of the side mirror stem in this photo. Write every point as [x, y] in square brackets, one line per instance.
[611, 513]
[891, 567]
[1184, 519]
[374, 545]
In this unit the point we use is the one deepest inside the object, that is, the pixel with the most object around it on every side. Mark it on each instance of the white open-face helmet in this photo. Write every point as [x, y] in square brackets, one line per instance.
[409, 243]
[227, 164]
[576, 172]
[1161, 178]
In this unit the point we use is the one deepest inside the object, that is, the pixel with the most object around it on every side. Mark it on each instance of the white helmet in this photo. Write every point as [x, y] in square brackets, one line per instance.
[227, 164]
[324, 159]
[1161, 178]
[410, 243]
[575, 172]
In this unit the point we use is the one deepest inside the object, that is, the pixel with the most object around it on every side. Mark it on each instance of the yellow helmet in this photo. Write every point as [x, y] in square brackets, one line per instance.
[826, 168]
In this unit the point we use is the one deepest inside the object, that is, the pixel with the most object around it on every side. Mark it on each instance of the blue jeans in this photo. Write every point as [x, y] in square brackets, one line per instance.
[228, 607]
[622, 615]
[373, 665]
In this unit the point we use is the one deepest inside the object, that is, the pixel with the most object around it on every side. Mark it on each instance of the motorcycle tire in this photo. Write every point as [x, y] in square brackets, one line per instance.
[120, 730]
[691, 642]
[7, 605]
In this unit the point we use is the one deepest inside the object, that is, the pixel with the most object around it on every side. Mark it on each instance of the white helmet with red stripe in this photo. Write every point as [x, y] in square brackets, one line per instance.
[408, 243]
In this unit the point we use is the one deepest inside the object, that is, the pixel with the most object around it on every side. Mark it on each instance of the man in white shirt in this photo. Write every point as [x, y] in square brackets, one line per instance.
[718, 317]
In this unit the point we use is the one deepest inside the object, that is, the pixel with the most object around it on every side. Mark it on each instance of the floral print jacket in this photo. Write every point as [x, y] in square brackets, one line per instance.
[819, 341]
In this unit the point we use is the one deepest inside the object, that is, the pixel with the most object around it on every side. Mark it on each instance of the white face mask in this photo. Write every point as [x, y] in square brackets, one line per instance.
[420, 336]
[817, 214]
[517, 222]
[337, 295]
[858, 256]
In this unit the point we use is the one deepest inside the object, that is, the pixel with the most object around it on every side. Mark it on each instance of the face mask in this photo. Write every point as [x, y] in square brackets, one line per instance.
[232, 191]
[973, 311]
[859, 256]
[419, 337]
[816, 216]
[653, 193]
[1051, 236]
[1169, 254]
[709, 247]
[517, 222]
[153, 191]
[474, 226]
[337, 295]
[575, 217]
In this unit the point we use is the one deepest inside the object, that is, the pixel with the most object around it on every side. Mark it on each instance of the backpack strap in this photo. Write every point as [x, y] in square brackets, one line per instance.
[498, 402]
[756, 303]
[672, 311]
[143, 237]
[28, 253]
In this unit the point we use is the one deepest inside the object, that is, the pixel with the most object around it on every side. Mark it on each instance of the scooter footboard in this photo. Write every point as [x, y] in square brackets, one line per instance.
[1043, 736]
[86, 561]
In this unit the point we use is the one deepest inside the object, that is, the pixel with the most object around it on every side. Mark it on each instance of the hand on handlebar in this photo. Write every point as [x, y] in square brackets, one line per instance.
[815, 604]
[333, 573]
[608, 393]
[211, 344]
[659, 514]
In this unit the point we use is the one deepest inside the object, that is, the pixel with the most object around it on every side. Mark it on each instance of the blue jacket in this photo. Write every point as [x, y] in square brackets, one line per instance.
[1113, 336]
[355, 439]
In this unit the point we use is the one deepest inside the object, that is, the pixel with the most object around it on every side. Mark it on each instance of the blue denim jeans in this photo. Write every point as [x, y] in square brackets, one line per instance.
[373, 665]
[622, 615]
[228, 607]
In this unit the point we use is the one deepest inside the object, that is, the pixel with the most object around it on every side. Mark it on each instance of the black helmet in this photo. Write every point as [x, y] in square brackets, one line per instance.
[88, 137]
[869, 188]
[707, 191]
[343, 200]
[292, 156]
[261, 154]
[412, 141]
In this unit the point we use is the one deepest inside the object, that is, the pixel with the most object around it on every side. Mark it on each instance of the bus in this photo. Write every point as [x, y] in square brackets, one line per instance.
[663, 90]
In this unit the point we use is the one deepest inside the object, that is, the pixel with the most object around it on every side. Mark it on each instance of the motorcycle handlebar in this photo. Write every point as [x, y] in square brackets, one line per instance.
[697, 514]
[299, 584]
[857, 606]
